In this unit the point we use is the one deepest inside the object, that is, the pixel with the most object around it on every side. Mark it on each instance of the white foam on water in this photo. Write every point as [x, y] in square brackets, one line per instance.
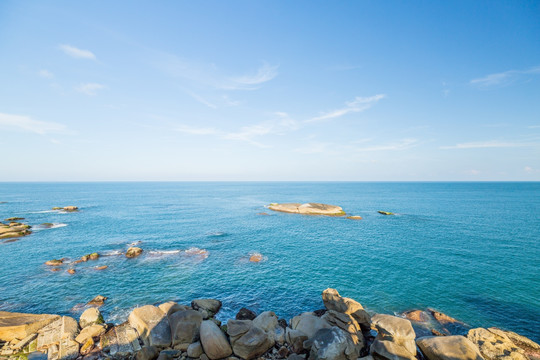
[43, 227]
[112, 253]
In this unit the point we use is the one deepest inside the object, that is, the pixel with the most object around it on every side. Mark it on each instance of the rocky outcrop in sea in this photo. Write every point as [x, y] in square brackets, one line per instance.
[343, 330]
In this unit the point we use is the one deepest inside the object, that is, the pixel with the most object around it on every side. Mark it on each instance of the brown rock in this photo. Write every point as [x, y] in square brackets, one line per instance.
[213, 341]
[98, 300]
[354, 217]
[20, 325]
[417, 315]
[133, 252]
[256, 257]
[308, 209]
[443, 318]
[454, 347]
[54, 262]
[71, 271]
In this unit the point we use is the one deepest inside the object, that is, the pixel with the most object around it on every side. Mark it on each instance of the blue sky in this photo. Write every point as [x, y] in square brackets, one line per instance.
[270, 90]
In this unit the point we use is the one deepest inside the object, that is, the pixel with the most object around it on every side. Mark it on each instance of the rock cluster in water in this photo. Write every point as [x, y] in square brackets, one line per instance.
[344, 330]
[308, 209]
[14, 229]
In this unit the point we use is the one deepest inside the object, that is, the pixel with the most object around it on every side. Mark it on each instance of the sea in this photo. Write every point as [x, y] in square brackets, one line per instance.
[468, 249]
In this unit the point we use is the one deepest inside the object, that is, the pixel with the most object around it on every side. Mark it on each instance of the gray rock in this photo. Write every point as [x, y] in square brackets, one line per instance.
[296, 339]
[267, 321]
[195, 350]
[185, 326]
[147, 353]
[152, 325]
[122, 341]
[455, 347]
[348, 324]
[248, 340]
[210, 305]
[89, 317]
[331, 344]
[213, 341]
[309, 324]
[245, 314]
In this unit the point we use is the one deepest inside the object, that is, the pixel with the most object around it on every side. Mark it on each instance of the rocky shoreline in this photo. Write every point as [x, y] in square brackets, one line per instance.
[343, 330]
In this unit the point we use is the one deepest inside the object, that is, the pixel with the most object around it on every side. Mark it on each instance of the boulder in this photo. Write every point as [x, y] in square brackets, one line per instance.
[147, 353]
[171, 307]
[333, 301]
[152, 325]
[454, 347]
[210, 305]
[496, 344]
[121, 341]
[309, 324]
[14, 230]
[133, 252]
[54, 262]
[70, 208]
[331, 344]
[20, 325]
[98, 301]
[213, 341]
[245, 314]
[194, 350]
[308, 209]
[395, 329]
[185, 326]
[417, 315]
[267, 321]
[387, 349]
[247, 339]
[256, 257]
[385, 212]
[89, 317]
[348, 324]
[443, 318]
[296, 339]
[91, 331]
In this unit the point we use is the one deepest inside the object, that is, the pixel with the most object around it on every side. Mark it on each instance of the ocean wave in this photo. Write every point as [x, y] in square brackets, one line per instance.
[111, 253]
[47, 226]
[195, 251]
[135, 243]
[164, 252]
[217, 234]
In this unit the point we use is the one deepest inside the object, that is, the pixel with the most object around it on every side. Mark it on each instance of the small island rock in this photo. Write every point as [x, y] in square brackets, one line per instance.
[133, 252]
[308, 209]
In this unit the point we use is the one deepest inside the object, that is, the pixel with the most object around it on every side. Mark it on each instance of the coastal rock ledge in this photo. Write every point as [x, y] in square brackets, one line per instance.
[308, 209]
[343, 330]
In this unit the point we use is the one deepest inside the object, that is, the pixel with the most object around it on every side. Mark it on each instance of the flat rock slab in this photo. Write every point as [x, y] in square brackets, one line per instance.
[308, 209]
[20, 325]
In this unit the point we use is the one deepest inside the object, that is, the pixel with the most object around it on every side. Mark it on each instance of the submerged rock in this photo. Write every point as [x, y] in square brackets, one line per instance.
[256, 257]
[308, 209]
[70, 208]
[55, 262]
[14, 219]
[354, 217]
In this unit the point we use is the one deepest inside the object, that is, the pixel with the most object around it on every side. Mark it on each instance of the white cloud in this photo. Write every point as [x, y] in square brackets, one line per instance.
[357, 105]
[265, 73]
[486, 144]
[77, 53]
[201, 100]
[45, 74]
[503, 78]
[89, 88]
[28, 124]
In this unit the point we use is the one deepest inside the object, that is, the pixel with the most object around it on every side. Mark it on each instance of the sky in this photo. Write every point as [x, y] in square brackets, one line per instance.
[270, 90]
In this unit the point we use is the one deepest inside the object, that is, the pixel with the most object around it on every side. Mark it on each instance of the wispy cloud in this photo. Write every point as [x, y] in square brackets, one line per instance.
[45, 74]
[211, 76]
[357, 105]
[487, 144]
[503, 78]
[76, 52]
[201, 100]
[263, 74]
[90, 89]
[28, 124]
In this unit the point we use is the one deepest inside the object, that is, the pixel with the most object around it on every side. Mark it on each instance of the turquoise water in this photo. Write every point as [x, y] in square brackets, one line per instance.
[470, 250]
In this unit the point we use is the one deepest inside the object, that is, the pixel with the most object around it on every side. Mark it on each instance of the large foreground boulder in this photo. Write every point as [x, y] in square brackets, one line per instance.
[213, 341]
[395, 329]
[122, 342]
[152, 325]
[496, 344]
[332, 344]
[454, 347]
[185, 326]
[349, 325]
[333, 301]
[249, 340]
[20, 325]
[308, 323]
[89, 317]
[308, 209]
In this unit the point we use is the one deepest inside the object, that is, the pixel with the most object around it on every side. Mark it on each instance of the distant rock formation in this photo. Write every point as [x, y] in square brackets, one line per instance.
[308, 209]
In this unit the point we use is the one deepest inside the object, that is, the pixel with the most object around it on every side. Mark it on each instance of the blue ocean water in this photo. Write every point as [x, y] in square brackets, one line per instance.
[470, 250]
